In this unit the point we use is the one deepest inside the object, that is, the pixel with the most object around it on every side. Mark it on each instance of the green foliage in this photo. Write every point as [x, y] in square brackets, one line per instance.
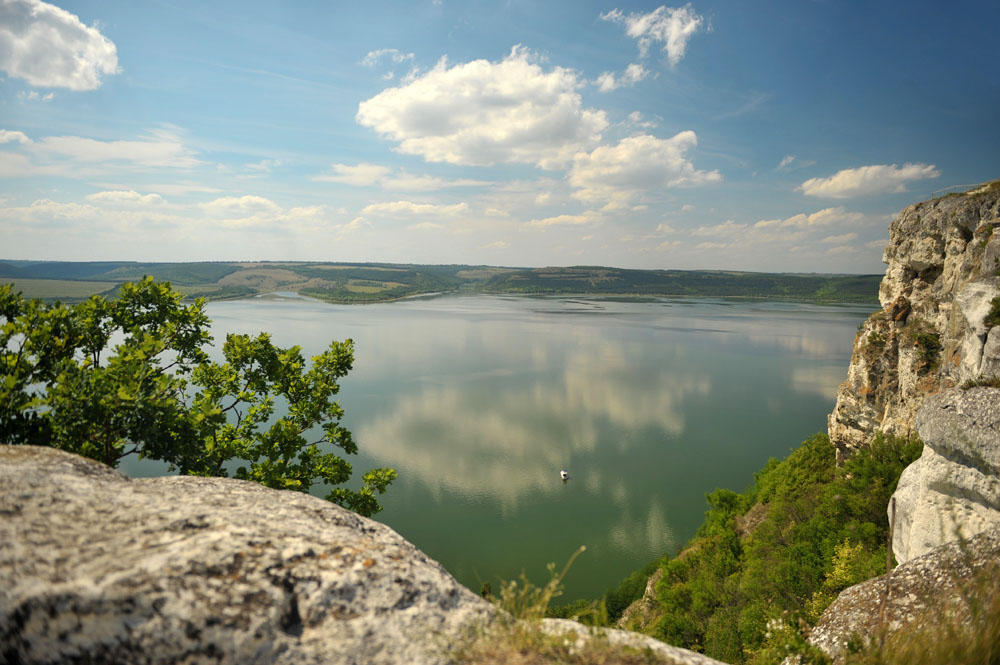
[629, 590]
[984, 381]
[110, 378]
[993, 316]
[823, 528]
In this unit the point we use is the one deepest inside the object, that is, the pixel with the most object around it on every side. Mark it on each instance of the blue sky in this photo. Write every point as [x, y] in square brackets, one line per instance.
[774, 136]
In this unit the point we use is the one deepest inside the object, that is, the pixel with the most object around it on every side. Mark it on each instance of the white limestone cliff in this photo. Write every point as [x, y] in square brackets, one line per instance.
[931, 334]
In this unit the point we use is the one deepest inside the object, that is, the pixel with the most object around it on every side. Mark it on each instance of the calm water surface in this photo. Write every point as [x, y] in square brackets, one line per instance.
[479, 401]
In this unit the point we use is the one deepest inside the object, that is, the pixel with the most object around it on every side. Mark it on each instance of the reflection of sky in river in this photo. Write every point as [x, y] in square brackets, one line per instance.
[478, 402]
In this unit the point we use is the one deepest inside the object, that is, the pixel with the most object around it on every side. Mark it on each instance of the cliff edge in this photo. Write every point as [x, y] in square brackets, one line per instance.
[933, 330]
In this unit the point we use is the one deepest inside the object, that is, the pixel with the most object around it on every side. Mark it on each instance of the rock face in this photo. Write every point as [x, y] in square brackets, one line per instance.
[922, 593]
[954, 488]
[930, 334]
[95, 567]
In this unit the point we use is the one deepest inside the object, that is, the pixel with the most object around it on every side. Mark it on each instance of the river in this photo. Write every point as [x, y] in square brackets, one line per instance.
[478, 402]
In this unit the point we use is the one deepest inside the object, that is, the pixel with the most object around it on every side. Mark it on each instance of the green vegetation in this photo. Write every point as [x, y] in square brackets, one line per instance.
[111, 378]
[993, 316]
[518, 637]
[595, 280]
[370, 282]
[781, 551]
[52, 289]
[983, 381]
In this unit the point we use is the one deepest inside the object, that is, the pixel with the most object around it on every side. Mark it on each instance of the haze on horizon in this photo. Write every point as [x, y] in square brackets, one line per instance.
[778, 136]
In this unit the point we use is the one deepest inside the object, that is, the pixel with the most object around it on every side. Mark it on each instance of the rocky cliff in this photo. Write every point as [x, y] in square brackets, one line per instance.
[98, 568]
[953, 490]
[933, 330]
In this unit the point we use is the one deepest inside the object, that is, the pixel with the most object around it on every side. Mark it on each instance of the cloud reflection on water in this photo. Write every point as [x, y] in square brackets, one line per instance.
[487, 435]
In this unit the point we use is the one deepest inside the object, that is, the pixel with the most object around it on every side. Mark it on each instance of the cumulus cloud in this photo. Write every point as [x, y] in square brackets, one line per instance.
[825, 217]
[125, 198]
[632, 75]
[359, 175]
[868, 180]
[251, 211]
[619, 173]
[670, 26]
[727, 228]
[12, 137]
[482, 113]
[565, 220]
[51, 48]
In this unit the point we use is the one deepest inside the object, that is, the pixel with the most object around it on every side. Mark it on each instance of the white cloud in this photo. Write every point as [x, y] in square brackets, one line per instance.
[727, 228]
[841, 239]
[632, 75]
[617, 174]
[359, 175]
[10, 137]
[867, 180]
[159, 149]
[365, 174]
[51, 48]
[425, 226]
[482, 113]
[425, 183]
[33, 96]
[264, 165]
[257, 212]
[671, 26]
[824, 217]
[125, 198]
[565, 220]
[786, 160]
[496, 244]
[236, 206]
[411, 208]
[395, 55]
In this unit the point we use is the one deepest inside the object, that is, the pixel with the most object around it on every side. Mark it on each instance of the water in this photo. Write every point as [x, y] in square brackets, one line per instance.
[479, 402]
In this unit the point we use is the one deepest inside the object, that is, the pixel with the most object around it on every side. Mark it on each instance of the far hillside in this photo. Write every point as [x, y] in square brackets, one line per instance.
[379, 282]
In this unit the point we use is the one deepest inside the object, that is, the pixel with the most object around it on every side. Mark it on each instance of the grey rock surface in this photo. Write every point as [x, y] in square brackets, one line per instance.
[953, 489]
[95, 567]
[923, 593]
[943, 271]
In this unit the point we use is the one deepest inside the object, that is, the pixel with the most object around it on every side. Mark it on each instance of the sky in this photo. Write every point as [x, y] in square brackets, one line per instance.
[778, 136]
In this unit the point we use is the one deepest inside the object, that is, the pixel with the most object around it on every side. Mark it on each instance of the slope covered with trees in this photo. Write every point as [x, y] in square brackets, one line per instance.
[374, 282]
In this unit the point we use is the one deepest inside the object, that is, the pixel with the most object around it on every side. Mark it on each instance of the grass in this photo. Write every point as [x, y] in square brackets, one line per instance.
[64, 289]
[519, 636]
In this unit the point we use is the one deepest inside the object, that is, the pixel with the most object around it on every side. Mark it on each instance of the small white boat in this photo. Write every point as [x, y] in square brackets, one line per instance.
[564, 474]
